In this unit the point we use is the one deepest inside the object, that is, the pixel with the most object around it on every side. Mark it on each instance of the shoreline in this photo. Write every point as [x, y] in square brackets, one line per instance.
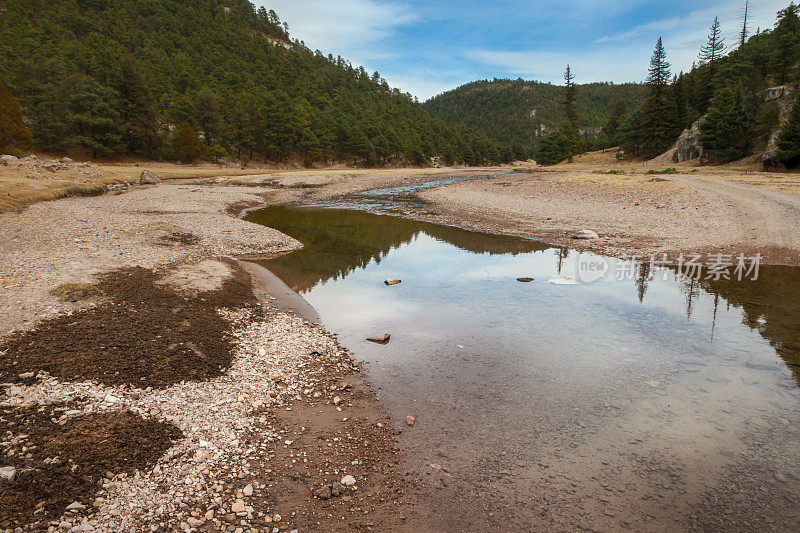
[260, 402]
[177, 227]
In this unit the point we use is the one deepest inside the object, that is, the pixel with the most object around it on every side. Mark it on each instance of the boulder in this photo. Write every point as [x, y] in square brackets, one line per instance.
[148, 177]
[688, 145]
[8, 159]
[524, 280]
[65, 160]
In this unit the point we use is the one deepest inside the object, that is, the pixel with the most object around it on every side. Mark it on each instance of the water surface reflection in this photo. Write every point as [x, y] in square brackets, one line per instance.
[651, 404]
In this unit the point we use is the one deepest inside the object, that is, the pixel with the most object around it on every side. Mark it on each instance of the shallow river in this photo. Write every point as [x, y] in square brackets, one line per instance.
[650, 403]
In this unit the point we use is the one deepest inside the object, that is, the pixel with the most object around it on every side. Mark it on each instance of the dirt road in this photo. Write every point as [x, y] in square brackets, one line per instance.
[768, 218]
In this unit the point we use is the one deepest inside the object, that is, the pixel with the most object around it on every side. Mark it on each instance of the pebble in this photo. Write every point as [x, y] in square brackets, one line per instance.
[348, 481]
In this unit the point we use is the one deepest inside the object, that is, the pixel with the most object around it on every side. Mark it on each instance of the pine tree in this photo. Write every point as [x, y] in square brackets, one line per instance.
[570, 114]
[187, 144]
[715, 47]
[569, 127]
[787, 33]
[207, 114]
[630, 133]
[789, 140]
[727, 131]
[610, 134]
[743, 34]
[14, 135]
[659, 126]
[138, 111]
[553, 149]
[93, 118]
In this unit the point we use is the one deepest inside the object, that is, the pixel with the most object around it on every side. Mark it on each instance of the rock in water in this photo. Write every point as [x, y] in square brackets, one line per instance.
[393, 281]
[148, 177]
[562, 280]
[586, 235]
[524, 280]
[380, 339]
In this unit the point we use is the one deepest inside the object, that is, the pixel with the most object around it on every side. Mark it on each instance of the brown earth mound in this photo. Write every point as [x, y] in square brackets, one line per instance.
[61, 463]
[145, 335]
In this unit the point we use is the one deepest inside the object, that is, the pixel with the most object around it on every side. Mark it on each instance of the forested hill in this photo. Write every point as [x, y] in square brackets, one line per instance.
[520, 112]
[206, 79]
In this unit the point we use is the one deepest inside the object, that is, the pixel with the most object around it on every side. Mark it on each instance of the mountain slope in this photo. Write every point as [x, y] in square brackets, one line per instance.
[122, 76]
[520, 112]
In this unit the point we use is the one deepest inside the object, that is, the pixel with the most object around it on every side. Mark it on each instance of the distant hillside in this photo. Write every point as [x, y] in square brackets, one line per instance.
[206, 79]
[520, 112]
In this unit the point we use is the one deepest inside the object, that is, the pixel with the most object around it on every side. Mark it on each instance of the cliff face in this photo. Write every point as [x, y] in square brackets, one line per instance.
[777, 101]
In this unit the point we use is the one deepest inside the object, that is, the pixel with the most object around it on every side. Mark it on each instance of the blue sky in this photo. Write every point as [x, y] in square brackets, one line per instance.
[427, 47]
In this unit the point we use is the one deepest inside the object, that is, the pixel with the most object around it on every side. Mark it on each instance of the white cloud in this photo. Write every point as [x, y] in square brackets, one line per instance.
[625, 56]
[342, 26]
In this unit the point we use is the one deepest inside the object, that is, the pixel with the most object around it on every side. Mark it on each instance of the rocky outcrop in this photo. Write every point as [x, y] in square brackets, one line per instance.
[689, 145]
[770, 156]
[8, 159]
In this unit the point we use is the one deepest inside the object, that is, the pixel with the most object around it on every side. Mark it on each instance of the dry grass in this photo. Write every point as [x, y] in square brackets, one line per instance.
[19, 189]
[603, 167]
[76, 292]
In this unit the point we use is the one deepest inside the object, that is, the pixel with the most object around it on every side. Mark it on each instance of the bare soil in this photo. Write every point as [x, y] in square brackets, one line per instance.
[59, 461]
[145, 335]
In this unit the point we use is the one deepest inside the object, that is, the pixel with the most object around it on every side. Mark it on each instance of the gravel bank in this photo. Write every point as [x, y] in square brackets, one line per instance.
[633, 213]
[286, 434]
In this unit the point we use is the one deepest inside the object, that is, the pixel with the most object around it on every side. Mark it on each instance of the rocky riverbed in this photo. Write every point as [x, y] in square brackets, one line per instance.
[145, 388]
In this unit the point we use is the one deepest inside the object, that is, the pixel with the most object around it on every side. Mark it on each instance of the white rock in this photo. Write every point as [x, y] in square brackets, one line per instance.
[248, 490]
[586, 234]
[348, 481]
[8, 473]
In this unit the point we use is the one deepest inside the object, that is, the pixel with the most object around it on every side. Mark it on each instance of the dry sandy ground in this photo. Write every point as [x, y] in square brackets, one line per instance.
[698, 210]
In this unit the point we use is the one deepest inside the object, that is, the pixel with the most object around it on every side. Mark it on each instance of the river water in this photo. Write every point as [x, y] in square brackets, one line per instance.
[651, 403]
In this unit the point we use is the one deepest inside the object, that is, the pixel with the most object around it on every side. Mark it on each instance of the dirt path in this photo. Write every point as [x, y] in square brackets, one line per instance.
[768, 218]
